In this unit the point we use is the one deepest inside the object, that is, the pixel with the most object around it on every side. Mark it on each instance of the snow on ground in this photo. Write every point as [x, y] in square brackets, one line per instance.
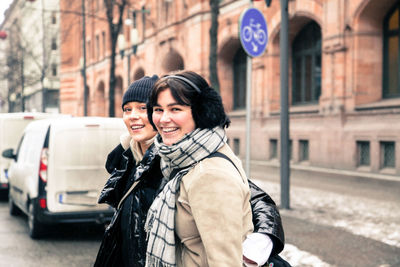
[301, 258]
[378, 220]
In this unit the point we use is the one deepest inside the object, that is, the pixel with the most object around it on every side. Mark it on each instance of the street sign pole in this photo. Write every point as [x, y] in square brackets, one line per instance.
[248, 110]
[248, 114]
[253, 37]
[284, 114]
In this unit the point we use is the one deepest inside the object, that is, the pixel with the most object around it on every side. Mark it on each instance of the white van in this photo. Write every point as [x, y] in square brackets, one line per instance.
[58, 171]
[12, 126]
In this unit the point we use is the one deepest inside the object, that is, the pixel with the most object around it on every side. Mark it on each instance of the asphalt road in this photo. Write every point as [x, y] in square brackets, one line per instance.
[63, 246]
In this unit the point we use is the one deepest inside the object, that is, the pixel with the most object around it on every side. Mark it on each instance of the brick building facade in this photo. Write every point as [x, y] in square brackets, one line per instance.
[344, 74]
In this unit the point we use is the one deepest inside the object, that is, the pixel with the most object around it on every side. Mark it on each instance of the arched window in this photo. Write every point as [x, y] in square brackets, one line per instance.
[118, 97]
[99, 107]
[173, 61]
[391, 66]
[306, 65]
[138, 74]
[88, 102]
[239, 79]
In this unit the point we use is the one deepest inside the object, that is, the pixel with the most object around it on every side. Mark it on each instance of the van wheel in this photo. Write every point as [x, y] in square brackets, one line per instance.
[35, 227]
[14, 210]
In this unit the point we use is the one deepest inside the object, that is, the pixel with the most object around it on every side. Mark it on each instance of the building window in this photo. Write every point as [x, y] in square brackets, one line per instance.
[391, 69]
[54, 70]
[303, 150]
[363, 153]
[387, 154]
[53, 44]
[273, 148]
[103, 35]
[306, 64]
[166, 11]
[89, 49]
[53, 17]
[97, 47]
[236, 146]
[52, 98]
[290, 149]
[239, 79]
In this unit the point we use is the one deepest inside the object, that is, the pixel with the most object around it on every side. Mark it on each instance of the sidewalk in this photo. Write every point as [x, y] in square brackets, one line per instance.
[337, 221]
[335, 246]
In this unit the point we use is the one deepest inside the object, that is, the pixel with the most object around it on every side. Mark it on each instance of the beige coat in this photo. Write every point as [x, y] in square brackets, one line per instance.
[213, 214]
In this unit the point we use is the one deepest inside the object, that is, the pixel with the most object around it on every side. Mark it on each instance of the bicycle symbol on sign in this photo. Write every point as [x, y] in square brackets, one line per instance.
[254, 32]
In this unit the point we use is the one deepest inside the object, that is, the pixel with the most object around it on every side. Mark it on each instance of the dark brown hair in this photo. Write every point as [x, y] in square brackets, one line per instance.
[207, 108]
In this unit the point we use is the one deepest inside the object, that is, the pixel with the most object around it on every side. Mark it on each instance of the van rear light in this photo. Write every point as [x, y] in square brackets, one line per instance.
[27, 117]
[42, 203]
[43, 164]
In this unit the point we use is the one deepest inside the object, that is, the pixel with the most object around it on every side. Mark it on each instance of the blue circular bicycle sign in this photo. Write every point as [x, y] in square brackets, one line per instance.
[253, 32]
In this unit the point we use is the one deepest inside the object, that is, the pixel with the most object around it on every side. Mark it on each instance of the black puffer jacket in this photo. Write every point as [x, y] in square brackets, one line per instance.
[124, 240]
[119, 249]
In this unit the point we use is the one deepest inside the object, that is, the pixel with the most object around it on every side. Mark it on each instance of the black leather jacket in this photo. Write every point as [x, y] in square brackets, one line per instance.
[124, 242]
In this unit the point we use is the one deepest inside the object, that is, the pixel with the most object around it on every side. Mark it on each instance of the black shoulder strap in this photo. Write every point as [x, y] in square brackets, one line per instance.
[222, 155]
[175, 172]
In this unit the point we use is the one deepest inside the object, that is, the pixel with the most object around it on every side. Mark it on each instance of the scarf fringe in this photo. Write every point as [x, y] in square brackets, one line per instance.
[155, 262]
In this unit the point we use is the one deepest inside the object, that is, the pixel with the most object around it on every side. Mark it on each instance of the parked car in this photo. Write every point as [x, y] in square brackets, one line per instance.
[58, 171]
[12, 126]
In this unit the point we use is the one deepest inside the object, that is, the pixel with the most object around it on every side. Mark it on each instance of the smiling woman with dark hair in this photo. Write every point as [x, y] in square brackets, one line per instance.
[206, 203]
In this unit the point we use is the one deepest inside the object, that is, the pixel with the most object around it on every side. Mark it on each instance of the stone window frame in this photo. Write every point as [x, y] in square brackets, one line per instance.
[363, 153]
[315, 51]
[239, 68]
[387, 154]
[387, 34]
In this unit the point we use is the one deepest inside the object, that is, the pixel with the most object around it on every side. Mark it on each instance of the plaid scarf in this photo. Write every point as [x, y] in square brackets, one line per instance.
[176, 161]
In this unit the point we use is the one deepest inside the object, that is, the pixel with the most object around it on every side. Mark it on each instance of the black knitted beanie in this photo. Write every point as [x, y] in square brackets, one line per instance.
[139, 90]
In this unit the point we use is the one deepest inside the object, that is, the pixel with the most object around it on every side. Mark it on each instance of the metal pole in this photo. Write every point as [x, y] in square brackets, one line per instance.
[284, 64]
[248, 114]
[248, 110]
[23, 80]
[85, 89]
